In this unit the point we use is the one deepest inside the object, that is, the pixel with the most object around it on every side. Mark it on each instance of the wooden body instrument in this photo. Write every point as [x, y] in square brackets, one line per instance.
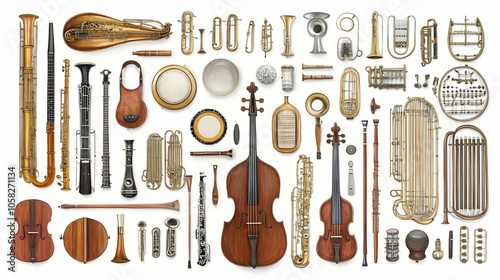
[253, 237]
[85, 239]
[131, 111]
[336, 244]
[174, 205]
[32, 241]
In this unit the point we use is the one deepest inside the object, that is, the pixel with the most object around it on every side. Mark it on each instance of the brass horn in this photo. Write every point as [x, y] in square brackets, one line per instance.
[350, 93]
[187, 29]
[287, 34]
[465, 172]
[217, 27]
[317, 114]
[402, 46]
[428, 45]
[469, 36]
[174, 171]
[344, 44]
[267, 37]
[92, 32]
[232, 27]
[377, 44]
[120, 256]
[250, 36]
[414, 160]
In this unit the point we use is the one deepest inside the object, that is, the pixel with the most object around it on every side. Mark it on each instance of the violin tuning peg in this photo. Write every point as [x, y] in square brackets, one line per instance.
[328, 141]
[244, 100]
[329, 135]
[342, 141]
[261, 100]
[261, 110]
[243, 109]
[342, 135]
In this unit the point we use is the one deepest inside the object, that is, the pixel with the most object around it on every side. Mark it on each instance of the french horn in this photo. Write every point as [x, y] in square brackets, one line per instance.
[92, 32]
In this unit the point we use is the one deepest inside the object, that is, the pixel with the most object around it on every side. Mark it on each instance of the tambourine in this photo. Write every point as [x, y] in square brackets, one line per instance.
[174, 87]
[208, 126]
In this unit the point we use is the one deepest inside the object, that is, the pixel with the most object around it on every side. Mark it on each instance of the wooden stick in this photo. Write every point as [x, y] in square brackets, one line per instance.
[174, 205]
[152, 53]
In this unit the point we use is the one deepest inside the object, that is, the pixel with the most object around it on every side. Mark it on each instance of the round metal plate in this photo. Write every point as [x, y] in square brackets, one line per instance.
[351, 149]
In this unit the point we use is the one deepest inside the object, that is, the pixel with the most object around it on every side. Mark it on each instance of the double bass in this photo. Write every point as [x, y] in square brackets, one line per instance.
[33, 243]
[336, 244]
[253, 237]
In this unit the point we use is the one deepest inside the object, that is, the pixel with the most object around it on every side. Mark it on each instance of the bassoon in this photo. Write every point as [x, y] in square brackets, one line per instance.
[375, 192]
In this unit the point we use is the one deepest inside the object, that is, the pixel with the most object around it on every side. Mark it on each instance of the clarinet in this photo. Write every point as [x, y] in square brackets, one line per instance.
[201, 232]
[106, 182]
[84, 89]
[128, 188]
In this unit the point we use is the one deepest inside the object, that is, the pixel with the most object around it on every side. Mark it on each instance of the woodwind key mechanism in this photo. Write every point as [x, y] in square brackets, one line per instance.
[142, 239]
[172, 224]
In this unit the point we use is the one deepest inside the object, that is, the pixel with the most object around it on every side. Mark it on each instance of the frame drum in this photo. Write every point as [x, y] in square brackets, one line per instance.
[174, 87]
[208, 126]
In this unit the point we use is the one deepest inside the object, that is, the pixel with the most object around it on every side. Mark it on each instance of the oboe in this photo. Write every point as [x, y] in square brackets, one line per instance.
[85, 90]
[375, 192]
[128, 188]
[106, 181]
[64, 137]
[365, 246]
[201, 232]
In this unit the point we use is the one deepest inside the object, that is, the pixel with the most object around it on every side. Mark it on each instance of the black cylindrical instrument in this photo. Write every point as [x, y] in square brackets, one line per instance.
[128, 188]
[84, 89]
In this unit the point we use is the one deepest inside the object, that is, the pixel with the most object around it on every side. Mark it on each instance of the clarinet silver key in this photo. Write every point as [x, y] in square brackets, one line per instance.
[155, 234]
[350, 189]
[142, 239]
[201, 233]
[172, 224]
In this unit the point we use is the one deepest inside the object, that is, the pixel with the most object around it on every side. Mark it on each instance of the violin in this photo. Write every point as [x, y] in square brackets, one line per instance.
[131, 111]
[336, 244]
[253, 237]
[32, 241]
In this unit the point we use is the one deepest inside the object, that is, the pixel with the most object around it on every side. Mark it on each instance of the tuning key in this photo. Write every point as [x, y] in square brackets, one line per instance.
[261, 100]
[261, 109]
[244, 100]
[243, 109]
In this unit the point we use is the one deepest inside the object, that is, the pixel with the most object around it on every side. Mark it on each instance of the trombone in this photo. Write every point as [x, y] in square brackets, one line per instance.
[232, 24]
[217, 26]
[401, 36]
[251, 34]
[267, 37]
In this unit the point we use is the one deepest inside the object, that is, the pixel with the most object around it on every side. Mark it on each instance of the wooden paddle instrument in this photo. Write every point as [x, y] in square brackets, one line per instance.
[85, 239]
[131, 111]
[253, 237]
[336, 244]
[33, 243]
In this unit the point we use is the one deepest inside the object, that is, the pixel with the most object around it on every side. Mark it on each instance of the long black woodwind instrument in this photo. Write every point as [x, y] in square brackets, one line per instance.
[128, 188]
[85, 90]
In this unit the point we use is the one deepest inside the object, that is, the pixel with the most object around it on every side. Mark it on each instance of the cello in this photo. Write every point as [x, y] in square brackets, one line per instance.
[253, 237]
[32, 241]
[336, 244]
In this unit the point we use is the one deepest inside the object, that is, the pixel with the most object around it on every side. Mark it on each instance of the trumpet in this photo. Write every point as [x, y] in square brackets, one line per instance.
[428, 53]
[232, 24]
[92, 32]
[377, 44]
[64, 137]
[267, 37]
[301, 196]
[401, 36]
[287, 34]
[187, 29]
[414, 160]
[251, 36]
[216, 26]
[350, 93]
[27, 113]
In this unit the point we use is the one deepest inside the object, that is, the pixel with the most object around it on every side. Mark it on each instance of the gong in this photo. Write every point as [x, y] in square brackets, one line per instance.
[208, 126]
[174, 87]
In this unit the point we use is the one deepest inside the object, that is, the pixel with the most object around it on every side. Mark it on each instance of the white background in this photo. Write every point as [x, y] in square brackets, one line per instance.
[159, 120]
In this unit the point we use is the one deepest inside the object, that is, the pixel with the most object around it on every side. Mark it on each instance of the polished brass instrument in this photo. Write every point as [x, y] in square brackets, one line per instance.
[414, 160]
[387, 78]
[187, 29]
[27, 100]
[153, 173]
[142, 239]
[480, 239]
[344, 44]
[216, 27]
[350, 93]
[402, 46]
[301, 196]
[172, 224]
[317, 114]
[461, 41]
[464, 244]
[377, 43]
[266, 37]
[428, 44]
[64, 136]
[92, 32]
[232, 27]
[174, 171]
[120, 256]
[251, 36]
[287, 34]
[465, 172]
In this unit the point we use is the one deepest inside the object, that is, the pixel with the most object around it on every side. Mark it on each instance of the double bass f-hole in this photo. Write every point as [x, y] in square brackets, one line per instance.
[245, 214]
